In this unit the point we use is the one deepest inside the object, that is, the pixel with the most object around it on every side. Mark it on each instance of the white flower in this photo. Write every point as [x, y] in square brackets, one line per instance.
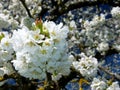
[7, 68]
[72, 25]
[115, 11]
[71, 58]
[3, 22]
[98, 84]
[103, 46]
[27, 69]
[1, 72]
[56, 77]
[5, 55]
[40, 50]
[20, 38]
[56, 31]
[116, 47]
[97, 34]
[87, 66]
[6, 21]
[114, 86]
[6, 44]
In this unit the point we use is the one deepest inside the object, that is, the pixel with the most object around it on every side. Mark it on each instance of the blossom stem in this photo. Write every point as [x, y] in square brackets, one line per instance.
[110, 73]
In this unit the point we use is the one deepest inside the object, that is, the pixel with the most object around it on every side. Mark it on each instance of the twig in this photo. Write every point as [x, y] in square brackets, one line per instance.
[25, 6]
[115, 75]
[68, 6]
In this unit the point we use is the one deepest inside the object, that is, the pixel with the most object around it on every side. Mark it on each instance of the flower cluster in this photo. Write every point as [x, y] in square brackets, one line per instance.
[98, 84]
[6, 54]
[36, 8]
[99, 34]
[114, 86]
[38, 48]
[87, 66]
[7, 23]
[115, 11]
[41, 50]
[16, 11]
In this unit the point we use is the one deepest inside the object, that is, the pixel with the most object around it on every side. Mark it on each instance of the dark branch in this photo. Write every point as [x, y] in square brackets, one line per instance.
[68, 6]
[28, 11]
[65, 79]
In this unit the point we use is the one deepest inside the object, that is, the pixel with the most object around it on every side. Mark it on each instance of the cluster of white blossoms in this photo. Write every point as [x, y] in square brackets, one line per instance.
[33, 50]
[99, 34]
[6, 54]
[3, 22]
[6, 22]
[115, 11]
[87, 66]
[42, 47]
[36, 8]
[114, 86]
[41, 50]
[16, 10]
[98, 84]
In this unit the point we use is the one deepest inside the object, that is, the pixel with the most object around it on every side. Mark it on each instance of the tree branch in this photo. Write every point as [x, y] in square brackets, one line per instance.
[25, 6]
[116, 76]
[68, 6]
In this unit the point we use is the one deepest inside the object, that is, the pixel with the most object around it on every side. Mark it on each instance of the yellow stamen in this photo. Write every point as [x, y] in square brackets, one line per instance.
[56, 40]
[47, 43]
[81, 81]
[80, 88]
[43, 51]
[1, 78]
[41, 88]
[7, 43]
[53, 33]
[110, 81]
